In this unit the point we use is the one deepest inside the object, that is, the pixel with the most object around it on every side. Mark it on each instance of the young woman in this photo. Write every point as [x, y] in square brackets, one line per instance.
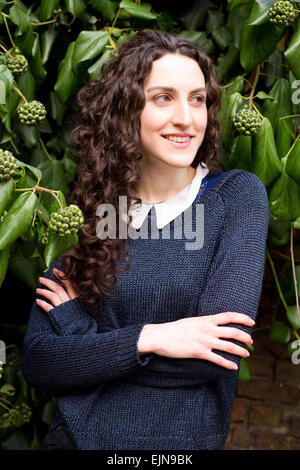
[145, 354]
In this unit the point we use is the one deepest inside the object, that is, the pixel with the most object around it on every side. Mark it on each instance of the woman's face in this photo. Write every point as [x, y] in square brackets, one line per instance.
[181, 110]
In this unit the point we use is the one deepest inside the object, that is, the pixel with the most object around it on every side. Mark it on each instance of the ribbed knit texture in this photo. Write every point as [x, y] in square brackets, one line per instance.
[109, 397]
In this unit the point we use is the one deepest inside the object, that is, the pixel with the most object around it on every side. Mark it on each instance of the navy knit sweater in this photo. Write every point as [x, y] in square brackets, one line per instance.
[109, 397]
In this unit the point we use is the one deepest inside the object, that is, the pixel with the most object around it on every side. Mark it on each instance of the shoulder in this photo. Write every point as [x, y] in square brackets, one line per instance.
[242, 188]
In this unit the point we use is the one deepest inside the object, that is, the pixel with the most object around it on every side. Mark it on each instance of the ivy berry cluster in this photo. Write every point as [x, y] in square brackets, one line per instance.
[8, 165]
[32, 113]
[282, 13]
[247, 122]
[66, 221]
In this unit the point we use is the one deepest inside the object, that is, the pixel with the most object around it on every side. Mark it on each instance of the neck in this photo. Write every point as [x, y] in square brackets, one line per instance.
[159, 184]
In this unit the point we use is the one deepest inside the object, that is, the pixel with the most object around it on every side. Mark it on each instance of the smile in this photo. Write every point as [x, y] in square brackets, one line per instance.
[179, 142]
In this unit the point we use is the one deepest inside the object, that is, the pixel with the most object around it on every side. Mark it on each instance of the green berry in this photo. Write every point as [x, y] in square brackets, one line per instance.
[44, 238]
[8, 165]
[247, 122]
[32, 113]
[17, 64]
[66, 221]
[282, 14]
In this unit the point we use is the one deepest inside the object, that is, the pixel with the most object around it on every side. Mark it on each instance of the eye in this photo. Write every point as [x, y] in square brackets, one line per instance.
[160, 96]
[201, 98]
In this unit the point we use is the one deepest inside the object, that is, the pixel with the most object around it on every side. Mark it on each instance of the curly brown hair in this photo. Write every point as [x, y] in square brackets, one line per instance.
[107, 138]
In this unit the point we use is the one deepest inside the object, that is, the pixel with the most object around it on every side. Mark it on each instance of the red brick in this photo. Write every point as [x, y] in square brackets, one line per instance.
[239, 410]
[264, 415]
[295, 427]
[294, 444]
[288, 373]
[268, 391]
[242, 439]
[271, 441]
[261, 366]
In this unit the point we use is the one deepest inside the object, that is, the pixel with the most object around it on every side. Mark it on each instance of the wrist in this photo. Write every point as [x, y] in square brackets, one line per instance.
[146, 342]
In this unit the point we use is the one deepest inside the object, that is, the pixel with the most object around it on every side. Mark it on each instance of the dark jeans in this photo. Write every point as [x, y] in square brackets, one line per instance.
[58, 438]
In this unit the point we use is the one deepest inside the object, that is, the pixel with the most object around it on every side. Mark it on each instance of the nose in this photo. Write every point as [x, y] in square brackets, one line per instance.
[182, 113]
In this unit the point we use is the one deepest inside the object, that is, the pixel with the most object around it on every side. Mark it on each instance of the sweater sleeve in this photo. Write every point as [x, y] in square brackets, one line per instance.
[63, 351]
[235, 277]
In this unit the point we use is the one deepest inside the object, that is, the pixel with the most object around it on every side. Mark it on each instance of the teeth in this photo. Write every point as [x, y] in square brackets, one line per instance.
[177, 139]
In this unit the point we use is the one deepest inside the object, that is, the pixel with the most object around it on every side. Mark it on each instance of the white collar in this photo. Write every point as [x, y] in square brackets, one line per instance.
[168, 210]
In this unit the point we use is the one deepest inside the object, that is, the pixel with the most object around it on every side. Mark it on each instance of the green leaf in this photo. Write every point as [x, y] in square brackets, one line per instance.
[230, 106]
[36, 64]
[18, 14]
[292, 316]
[76, 7]
[244, 372]
[17, 219]
[47, 40]
[26, 83]
[222, 38]
[281, 105]
[26, 269]
[2, 92]
[226, 62]
[107, 8]
[67, 81]
[292, 53]
[37, 173]
[17, 440]
[57, 245]
[240, 156]
[235, 20]
[95, 69]
[293, 164]
[136, 10]
[259, 13]
[284, 138]
[47, 410]
[257, 42]
[7, 77]
[4, 256]
[29, 134]
[279, 332]
[57, 109]
[88, 45]
[47, 8]
[6, 190]
[8, 390]
[284, 196]
[214, 20]
[54, 177]
[263, 96]
[266, 164]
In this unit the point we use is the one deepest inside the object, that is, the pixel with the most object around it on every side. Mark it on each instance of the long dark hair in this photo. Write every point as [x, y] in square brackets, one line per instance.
[107, 140]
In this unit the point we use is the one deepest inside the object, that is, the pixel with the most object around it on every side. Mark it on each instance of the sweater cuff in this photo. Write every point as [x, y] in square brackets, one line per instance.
[67, 314]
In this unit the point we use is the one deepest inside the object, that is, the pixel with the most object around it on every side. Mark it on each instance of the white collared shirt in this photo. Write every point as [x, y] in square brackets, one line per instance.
[168, 210]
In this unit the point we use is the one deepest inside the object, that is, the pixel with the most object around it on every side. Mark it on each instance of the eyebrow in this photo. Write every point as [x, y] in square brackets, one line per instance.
[168, 88]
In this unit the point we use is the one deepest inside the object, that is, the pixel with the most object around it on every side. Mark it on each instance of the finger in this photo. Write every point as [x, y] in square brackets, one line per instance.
[232, 348]
[234, 333]
[59, 290]
[44, 305]
[220, 361]
[232, 317]
[71, 292]
[55, 300]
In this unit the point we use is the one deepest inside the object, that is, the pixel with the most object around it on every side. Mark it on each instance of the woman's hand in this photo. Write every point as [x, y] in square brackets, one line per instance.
[195, 337]
[57, 294]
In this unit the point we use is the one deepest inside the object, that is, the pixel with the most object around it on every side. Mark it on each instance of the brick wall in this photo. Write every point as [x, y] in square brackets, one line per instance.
[266, 411]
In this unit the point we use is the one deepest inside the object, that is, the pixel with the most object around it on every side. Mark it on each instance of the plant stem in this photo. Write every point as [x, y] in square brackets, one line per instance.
[20, 93]
[276, 280]
[45, 22]
[254, 86]
[257, 111]
[6, 51]
[42, 215]
[294, 272]
[1, 404]
[8, 31]
[290, 115]
[45, 150]
[51, 191]
[115, 19]
[14, 147]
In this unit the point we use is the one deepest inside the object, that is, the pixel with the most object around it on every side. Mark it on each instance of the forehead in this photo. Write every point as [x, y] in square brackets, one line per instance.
[175, 70]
